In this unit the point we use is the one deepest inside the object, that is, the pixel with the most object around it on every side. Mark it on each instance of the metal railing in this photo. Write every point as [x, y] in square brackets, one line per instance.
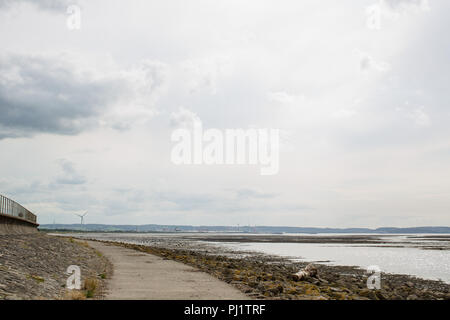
[12, 208]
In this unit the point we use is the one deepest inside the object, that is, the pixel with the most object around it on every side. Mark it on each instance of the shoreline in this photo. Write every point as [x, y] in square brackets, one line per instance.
[34, 268]
[262, 276]
[433, 253]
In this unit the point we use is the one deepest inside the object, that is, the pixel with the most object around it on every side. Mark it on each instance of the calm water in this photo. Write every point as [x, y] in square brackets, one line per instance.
[409, 259]
[427, 264]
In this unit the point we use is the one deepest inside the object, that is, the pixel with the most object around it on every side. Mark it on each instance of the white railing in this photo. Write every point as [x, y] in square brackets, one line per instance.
[11, 208]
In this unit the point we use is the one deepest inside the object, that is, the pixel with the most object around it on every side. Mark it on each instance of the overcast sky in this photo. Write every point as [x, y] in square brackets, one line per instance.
[86, 115]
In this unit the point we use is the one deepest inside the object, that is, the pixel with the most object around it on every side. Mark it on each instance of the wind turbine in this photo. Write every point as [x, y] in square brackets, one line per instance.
[81, 217]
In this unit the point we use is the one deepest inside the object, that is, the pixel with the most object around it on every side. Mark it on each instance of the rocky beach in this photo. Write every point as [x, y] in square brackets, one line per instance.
[263, 276]
[34, 267]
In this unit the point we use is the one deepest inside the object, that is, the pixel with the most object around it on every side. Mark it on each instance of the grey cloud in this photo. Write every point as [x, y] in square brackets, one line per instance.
[40, 195]
[367, 62]
[120, 206]
[247, 193]
[19, 190]
[44, 95]
[242, 200]
[142, 87]
[186, 202]
[69, 176]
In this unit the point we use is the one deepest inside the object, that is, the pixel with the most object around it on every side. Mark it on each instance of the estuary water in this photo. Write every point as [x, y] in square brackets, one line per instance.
[426, 264]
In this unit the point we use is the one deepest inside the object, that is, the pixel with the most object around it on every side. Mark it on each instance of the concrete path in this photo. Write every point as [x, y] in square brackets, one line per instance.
[142, 276]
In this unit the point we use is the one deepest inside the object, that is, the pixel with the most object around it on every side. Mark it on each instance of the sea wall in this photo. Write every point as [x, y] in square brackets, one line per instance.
[15, 225]
[16, 219]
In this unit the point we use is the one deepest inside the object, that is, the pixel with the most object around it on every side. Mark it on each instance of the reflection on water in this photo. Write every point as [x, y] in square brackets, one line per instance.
[428, 264]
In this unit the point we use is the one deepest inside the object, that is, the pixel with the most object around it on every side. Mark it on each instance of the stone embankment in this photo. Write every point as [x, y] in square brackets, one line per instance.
[34, 266]
[14, 225]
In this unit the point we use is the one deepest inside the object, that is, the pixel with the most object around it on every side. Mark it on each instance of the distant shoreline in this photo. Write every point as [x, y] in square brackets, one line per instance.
[375, 240]
[155, 228]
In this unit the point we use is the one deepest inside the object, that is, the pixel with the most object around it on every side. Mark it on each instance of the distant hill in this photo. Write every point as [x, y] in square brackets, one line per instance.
[244, 229]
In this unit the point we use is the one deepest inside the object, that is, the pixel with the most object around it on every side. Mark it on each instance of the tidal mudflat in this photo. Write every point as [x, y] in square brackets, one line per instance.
[261, 265]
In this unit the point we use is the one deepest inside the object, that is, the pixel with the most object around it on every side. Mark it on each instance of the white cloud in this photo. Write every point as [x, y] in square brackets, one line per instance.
[344, 113]
[404, 6]
[420, 117]
[284, 97]
[52, 5]
[184, 118]
[204, 73]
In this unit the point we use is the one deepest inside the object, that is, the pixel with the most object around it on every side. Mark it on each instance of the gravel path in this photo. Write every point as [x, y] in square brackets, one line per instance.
[142, 276]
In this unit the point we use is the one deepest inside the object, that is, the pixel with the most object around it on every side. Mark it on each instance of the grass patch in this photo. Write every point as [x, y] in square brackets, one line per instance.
[75, 295]
[90, 285]
[36, 278]
[84, 244]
